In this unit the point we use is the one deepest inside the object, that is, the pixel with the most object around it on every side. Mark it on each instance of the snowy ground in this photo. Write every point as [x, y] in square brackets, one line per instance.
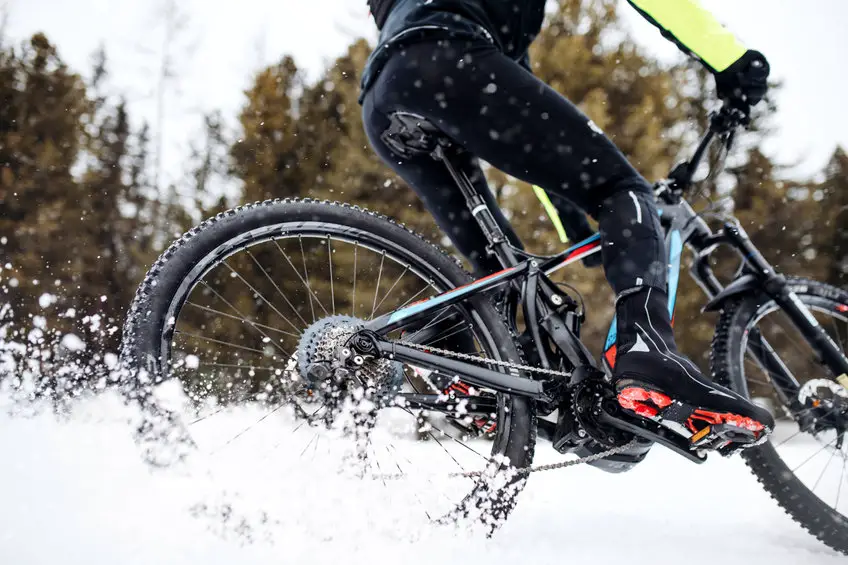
[73, 490]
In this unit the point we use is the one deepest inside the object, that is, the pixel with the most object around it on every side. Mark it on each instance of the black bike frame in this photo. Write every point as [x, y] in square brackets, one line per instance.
[547, 308]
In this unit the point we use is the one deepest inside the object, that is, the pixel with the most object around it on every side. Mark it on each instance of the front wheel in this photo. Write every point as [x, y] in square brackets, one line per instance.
[804, 464]
[249, 298]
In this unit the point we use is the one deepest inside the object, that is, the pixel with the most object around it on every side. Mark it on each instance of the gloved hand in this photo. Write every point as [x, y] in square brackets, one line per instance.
[745, 81]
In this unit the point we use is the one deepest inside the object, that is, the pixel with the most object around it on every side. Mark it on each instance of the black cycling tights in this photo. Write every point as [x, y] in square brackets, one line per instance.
[504, 115]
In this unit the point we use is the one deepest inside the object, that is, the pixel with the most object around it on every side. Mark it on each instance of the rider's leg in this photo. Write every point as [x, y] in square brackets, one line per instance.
[439, 194]
[511, 119]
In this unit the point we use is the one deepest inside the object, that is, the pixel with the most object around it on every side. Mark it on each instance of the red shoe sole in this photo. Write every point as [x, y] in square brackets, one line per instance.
[650, 403]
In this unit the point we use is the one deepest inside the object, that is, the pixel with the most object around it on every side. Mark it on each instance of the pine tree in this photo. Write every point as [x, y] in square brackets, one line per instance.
[832, 201]
[42, 104]
[270, 157]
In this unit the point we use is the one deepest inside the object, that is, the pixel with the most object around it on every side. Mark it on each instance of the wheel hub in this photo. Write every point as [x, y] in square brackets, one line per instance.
[321, 352]
[824, 405]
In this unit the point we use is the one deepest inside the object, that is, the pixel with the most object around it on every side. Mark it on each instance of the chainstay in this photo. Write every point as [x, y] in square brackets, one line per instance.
[527, 470]
[481, 360]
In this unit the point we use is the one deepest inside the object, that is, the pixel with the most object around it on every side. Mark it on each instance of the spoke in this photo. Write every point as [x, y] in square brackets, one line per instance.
[261, 297]
[794, 342]
[236, 366]
[377, 288]
[279, 290]
[841, 480]
[308, 444]
[429, 433]
[807, 460]
[306, 277]
[306, 419]
[330, 261]
[355, 251]
[755, 364]
[213, 340]
[427, 514]
[416, 295]
[800, 431]
[460, 325]
[466, 446]
[257, 324]
[236, 310]
[303, 282]
[251, 426]
[430, 323]
[838, 335]
[829, 459]
[388, 292]
[218, 411]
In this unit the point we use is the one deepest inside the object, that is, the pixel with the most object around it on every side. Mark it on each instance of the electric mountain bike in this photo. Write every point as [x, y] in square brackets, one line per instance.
[346, 327]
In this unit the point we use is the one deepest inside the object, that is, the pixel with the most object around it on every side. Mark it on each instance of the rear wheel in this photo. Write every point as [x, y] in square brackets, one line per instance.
[234, 306]
[804, 464]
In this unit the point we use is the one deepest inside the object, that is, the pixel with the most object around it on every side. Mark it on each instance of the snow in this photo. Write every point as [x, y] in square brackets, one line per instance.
[72, 342]
[74, 490]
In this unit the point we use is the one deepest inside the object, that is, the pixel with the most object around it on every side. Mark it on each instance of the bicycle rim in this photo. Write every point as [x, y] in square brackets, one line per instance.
[818, 460]
[238, 318]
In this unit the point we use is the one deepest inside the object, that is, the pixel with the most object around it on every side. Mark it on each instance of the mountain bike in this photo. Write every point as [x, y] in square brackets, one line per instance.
[343, 323]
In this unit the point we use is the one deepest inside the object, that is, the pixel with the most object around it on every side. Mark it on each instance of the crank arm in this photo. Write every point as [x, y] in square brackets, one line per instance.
[657, 435]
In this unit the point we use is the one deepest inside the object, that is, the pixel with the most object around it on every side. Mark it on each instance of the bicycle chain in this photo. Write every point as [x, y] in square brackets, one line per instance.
[527, 470]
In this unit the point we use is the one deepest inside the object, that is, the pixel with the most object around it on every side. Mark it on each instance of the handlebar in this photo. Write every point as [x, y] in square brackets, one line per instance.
[723, 123]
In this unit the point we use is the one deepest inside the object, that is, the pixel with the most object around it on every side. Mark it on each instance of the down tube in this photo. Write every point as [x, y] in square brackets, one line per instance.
[674, 244]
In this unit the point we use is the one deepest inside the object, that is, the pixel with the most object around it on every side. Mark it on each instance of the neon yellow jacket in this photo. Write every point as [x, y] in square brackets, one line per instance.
[694, 30]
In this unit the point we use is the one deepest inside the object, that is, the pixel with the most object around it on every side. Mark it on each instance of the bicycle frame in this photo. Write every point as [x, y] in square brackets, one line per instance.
[547, 308]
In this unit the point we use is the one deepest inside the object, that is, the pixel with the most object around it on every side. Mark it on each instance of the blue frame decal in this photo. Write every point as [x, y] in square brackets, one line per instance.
[436, 300]
[675, 250]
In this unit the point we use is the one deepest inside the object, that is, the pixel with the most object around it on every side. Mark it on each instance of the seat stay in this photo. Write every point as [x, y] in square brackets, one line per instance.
[430, 307]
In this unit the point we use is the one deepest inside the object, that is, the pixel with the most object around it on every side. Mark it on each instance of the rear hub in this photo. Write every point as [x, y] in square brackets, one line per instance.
[328, 366]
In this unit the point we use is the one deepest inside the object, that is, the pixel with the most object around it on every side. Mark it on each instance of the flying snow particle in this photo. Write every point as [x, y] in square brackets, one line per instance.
[111, 360]
[72, 342]
[192, 362]
[46, 300]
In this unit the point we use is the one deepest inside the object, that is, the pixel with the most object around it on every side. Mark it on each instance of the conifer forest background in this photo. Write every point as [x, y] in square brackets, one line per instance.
[83, 212]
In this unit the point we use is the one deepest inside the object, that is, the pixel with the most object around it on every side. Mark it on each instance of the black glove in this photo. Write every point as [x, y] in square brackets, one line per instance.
[745, 81]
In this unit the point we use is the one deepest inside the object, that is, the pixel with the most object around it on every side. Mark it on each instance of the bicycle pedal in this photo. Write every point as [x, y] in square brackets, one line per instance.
[724, 438]
[702, 429]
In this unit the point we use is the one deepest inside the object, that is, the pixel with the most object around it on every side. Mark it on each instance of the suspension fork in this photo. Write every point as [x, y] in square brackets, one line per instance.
[786, 385]
[776, 286]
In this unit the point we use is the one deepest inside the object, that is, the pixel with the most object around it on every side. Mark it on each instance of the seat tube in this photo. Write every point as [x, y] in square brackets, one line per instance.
[480, 211]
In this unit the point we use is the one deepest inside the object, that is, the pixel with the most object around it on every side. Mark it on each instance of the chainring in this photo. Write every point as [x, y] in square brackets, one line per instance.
[589, 399]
